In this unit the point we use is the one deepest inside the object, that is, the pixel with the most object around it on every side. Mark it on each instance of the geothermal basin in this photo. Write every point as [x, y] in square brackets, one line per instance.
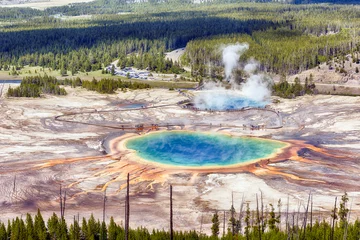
[199, 149]
[220, 100]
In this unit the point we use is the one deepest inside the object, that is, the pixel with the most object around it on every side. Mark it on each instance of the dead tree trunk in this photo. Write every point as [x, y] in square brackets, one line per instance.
[333, 221]
[64, 205]
[104, 203]
[127, 209]
[311, 214]
[287, 217]
[262, 212]
[347, 222]
[171, 215]
[306, 213]
[14, 188]
[224, 225]
[61, 201]
[258, 216]
[232, 214]
[240, 214]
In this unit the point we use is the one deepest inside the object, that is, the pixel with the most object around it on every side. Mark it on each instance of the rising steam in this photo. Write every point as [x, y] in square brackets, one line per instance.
[253, 92]
[230, 58]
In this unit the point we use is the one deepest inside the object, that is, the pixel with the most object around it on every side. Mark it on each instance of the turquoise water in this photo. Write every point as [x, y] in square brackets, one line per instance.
[222, 100]
[195, 149]
[134, 105]
[10, 81]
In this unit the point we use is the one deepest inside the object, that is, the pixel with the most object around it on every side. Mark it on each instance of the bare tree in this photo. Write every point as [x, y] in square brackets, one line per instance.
[62, 202]
[287, 218]
[127, 208]
[241, 213]
[224, 225]
[306, 213]
[104, 203]
[334, 217]
[258, 216]
[311, 213]
[347, 222]
[171, 215]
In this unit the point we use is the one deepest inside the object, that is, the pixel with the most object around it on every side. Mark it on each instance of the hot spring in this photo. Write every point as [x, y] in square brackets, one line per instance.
[196, 149]
[225, 100]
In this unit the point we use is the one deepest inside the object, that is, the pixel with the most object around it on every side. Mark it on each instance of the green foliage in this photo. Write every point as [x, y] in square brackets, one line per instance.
[283, 38]
[92, 229]
[74, 231]
[343, 210]
[215, 228]
[40, 228]
[107, 85]
[286, 90]
[34, 86]
[273, 219]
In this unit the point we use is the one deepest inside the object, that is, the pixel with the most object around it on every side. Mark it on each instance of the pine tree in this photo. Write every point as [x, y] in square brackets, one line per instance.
[84, 234]
[273, 220]
[40, 229]
[215, 228]
[112, 230]
[103, 231]
[3, 234]
[74, 232]
[53, 226]
[247, 222]
[93, 228]
[30, 230]
[62, 230]
[343, 210]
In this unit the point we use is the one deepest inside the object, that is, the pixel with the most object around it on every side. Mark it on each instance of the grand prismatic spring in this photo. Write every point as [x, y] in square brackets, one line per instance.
[196, 149]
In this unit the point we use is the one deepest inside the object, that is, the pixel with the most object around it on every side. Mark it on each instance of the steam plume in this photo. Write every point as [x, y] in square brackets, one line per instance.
[230, 58]
[255, 91]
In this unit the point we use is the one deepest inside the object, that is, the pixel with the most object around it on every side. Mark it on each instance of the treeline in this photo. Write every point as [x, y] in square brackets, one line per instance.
[285, 89]
[130, 6]
[152, 61]
[93, 44]
[265, 222]
[35, 86]
[308, 35]
[105, 85]
[285, 38]
[18, 13]
[90, 229]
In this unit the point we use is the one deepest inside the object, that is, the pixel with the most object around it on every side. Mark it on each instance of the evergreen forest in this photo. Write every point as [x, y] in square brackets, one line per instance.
[265, 222]
[286, 38]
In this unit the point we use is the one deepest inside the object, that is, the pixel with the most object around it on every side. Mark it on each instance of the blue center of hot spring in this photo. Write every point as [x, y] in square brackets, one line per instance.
[195, 149]
[225, 101]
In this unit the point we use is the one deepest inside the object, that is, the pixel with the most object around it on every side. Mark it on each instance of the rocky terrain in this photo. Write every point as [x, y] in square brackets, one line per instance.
[38, 154]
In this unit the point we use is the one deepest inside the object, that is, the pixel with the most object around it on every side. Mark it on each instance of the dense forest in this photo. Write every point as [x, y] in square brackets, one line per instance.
[284, 38]
[248, 224]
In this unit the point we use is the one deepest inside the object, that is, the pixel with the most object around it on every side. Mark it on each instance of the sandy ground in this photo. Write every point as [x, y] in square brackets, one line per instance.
[38, 4]
[38, 154]
[175, 56]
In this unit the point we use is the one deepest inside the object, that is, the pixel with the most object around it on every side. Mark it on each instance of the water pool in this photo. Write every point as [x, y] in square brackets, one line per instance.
[196, 149]
[224, 100]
